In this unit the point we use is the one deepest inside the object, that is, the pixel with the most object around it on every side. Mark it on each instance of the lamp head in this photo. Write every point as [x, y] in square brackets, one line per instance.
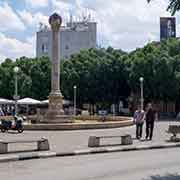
[16, 69]
[141, 79]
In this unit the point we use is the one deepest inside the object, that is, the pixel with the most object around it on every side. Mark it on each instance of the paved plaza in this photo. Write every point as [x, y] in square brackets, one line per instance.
[65, 141]
[159, 164]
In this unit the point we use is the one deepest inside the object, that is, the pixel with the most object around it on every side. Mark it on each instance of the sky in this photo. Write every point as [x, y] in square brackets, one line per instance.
[122, 24]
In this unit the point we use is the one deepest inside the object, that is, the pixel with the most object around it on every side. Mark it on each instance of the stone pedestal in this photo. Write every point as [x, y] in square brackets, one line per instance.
[3, 147]
[93, 141]
[43, 145]
[56, 104]
[126, 140]
[55, 112]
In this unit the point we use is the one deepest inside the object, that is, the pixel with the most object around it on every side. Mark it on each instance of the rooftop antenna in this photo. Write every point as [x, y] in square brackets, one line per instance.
[65, 19]
[84, 18]
[75, 17]
[45, 27]
[149, 40]
[89, 16]
[79, 18]
[41, 26]
[71, 18]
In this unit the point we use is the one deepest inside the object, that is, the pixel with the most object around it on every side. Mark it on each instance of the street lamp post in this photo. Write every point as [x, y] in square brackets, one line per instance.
[142, 96]
[75, 87]
[16, 97]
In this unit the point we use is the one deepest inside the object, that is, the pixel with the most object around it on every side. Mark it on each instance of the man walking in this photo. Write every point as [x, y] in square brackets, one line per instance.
[139, 117]
[150, 118]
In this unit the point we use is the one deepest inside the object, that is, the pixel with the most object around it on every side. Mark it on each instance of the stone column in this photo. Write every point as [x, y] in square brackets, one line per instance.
[55, 22]
[55, 112]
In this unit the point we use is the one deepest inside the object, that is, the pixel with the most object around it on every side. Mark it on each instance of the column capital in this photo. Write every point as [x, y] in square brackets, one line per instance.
[55, 20]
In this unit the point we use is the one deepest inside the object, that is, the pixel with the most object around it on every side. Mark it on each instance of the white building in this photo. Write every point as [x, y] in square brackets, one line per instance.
[73, 37]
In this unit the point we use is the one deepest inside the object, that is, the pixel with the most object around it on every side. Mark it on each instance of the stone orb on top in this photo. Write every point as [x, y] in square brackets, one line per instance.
[55, 20]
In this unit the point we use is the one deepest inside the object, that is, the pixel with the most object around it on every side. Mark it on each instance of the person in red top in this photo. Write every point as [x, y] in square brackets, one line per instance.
[139, 117]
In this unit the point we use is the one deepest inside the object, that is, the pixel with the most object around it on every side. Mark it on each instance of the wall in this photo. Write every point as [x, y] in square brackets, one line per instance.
[73, 38]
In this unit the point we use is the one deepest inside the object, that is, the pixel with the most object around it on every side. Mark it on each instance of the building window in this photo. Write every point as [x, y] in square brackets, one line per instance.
[66, 47]
[44, 48]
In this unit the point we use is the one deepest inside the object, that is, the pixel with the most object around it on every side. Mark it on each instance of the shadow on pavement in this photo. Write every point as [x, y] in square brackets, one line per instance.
[107, 145]
[166, 177]
[168, 120]
[20, 151]
[13, 132]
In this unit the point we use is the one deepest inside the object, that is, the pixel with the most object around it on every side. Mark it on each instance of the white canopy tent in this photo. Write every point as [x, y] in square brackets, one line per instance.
[6, 101]
[28, 101]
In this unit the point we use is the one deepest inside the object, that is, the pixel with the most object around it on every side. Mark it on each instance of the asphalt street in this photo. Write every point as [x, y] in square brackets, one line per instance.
[141, 165]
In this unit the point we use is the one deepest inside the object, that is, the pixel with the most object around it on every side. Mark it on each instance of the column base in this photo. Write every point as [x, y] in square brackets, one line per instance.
[55, 113]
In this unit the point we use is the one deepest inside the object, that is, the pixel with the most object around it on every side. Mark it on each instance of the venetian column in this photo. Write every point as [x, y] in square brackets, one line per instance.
[55, 112]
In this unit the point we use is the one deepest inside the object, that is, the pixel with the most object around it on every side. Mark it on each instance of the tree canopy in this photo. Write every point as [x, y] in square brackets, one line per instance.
[99, 74]
[173, 7]
[33, 78]
[102, 76]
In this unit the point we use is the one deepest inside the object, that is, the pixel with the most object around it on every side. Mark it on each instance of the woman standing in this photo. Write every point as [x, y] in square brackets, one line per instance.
[139, 117]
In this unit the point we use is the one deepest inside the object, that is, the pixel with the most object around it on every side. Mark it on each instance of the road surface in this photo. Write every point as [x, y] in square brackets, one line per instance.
[139, 165]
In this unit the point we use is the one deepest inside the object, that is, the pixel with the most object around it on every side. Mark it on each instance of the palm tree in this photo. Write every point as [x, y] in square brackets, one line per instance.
[173, 7]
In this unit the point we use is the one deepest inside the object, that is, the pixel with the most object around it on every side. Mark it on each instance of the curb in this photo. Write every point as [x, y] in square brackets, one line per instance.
[50, 154]
[79, 126]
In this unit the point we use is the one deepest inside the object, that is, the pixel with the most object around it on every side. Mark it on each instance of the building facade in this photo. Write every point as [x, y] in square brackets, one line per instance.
[73, 37]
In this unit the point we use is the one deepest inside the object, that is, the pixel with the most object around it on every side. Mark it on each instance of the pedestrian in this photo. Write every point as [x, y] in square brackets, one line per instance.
[1, 112]
[178, 116]
[139, 117]
[150, 118]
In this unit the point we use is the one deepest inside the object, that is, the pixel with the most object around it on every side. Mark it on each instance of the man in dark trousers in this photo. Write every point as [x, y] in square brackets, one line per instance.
[150, 118]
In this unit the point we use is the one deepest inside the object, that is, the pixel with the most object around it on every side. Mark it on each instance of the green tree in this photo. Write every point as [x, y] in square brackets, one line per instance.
[157, 66]
[7, 79]
[33, 78]
[41, 78]
[173, 7]
[100, 75]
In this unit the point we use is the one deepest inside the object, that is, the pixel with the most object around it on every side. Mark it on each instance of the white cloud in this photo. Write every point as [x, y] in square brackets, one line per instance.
[33, 19]
[127, 24]
[9, 20]
[37, 3]
[32, 42]
[2, 58]
[13, 48]
[63, 7]
[58, 3]
[26, 17]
